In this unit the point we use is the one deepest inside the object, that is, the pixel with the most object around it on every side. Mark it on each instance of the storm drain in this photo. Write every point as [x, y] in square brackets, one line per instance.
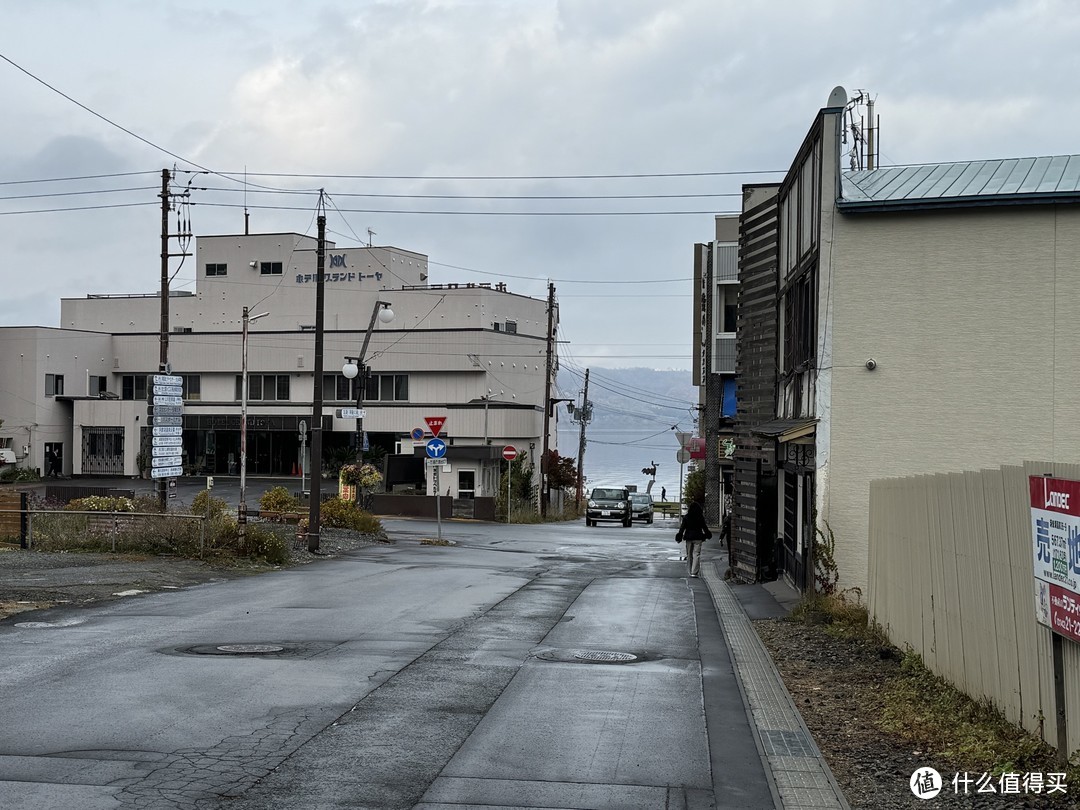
[782, 743]
[258, 649]
[605, 657]
[595, 656]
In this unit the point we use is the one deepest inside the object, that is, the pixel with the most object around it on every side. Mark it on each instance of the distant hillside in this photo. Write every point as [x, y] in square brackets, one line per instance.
[634, 397]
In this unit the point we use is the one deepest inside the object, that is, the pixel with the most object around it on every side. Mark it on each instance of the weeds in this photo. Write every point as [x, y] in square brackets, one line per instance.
[925, 709]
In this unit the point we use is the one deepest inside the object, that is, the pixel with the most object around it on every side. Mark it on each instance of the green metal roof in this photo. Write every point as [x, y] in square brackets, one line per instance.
[977, 182]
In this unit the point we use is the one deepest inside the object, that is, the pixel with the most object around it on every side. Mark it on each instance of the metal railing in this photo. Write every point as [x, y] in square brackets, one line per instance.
[110, 523]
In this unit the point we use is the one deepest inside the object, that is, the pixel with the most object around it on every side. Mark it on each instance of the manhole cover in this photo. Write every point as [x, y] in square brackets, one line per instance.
[602, 656]
[250, 648]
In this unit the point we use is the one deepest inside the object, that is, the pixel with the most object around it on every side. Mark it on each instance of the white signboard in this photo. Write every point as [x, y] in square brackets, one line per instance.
[1055, 533]
[166, 441]
[168, 400]
[172, 421]
[167, 461]
[168, 410]
[166, 379]
[166, 472]
[169, 390]
[168, 430]
[351, 413]
[436, 462]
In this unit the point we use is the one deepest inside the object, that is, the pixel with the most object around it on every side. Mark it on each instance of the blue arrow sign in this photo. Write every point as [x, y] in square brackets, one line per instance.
[436, 448]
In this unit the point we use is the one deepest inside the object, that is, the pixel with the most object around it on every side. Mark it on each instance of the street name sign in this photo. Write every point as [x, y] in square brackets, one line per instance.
[165, 410]
[166, 441]
[167, 461]
[158, 450]
[436, 462]
[351, 413]
[170, 421]
[166, 379]
[166, 472]
[170, 400]
[168, 430]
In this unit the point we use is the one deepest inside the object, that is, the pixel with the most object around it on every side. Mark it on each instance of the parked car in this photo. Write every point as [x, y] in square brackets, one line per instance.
[641, 506]
[608, 503]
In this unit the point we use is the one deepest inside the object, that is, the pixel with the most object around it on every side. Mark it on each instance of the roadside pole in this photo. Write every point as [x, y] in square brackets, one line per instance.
[438, 502]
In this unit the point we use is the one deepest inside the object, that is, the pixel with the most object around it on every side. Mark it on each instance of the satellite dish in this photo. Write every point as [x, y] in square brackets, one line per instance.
[838, 97]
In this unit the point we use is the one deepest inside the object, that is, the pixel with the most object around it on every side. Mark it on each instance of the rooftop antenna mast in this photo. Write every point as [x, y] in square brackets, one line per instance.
[245, 203]
[370, 233]
[865, 149]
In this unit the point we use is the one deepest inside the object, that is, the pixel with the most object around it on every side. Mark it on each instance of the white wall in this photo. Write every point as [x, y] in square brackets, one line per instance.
[971, 318]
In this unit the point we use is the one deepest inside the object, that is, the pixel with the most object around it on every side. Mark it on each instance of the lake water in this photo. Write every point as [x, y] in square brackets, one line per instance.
[614, 457]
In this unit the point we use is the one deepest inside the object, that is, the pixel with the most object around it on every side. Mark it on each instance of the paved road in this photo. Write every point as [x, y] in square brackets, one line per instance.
[480, 674]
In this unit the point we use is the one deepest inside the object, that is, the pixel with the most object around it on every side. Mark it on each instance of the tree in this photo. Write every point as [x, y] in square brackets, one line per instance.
[694, 488]
[562, 472]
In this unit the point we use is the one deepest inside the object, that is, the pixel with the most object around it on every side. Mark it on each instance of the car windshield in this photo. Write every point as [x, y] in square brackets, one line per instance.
[609, 494]
[641, 498]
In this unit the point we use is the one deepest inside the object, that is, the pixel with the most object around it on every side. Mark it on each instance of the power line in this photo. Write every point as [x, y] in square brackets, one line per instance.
[77, 177]
[629, 176]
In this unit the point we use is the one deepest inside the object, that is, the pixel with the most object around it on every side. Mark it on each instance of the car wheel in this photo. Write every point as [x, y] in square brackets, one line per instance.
[650, 520]
[590, 522]
[628, 523]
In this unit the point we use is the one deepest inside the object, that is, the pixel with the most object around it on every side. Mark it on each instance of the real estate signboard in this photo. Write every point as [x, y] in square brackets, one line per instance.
[1055, 534]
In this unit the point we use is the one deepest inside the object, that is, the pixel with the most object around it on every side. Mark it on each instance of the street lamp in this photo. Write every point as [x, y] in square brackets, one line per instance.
[241, 512]
[355, 366]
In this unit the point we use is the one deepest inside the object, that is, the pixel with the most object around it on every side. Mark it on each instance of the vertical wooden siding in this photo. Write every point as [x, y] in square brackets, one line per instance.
[951, 576]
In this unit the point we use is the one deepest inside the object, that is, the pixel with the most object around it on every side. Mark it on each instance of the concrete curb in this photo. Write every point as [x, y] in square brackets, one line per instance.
[801, 778]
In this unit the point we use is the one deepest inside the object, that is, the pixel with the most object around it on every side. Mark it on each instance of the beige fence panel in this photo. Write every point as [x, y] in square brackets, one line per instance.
[951, 577]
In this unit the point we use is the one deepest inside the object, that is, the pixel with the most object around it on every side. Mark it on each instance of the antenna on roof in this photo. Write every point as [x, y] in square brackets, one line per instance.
[370, 233]
[245, 203]
[865, 143]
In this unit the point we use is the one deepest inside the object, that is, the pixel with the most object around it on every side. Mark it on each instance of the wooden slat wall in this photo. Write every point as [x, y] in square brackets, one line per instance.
[10, 522]
[951, 576]
[755, 369]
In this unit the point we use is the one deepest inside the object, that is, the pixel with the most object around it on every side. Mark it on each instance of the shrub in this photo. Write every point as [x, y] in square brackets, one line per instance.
[101, 503]
[338, 514]
[366, 475]
[277, 499]
[264, 543]
[19, 475]
[218, 507]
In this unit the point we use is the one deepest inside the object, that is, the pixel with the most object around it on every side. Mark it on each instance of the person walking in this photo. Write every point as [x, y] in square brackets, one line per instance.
[663, 494]
[50, 463]
[693, 531]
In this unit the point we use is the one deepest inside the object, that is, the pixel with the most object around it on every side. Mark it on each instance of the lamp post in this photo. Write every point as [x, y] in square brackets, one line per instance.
[355, 366]
[241, 512]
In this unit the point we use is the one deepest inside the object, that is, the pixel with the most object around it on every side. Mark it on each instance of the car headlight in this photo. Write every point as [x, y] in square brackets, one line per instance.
[592, 504]
[622, 504]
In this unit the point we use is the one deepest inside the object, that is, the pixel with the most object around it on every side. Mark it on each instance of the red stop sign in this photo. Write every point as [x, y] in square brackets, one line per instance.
[509, 452]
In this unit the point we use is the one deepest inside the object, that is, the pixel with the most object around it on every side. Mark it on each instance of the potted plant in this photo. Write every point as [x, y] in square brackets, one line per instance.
[356, 478]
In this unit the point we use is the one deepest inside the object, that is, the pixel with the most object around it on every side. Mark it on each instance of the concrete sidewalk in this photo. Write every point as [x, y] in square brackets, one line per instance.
[800, 776]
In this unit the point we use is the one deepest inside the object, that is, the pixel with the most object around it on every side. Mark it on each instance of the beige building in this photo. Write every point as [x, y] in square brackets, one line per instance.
[927, 323]
[472, 353]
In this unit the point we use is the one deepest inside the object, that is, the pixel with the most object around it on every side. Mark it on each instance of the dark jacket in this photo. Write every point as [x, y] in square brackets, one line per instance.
[693, 526]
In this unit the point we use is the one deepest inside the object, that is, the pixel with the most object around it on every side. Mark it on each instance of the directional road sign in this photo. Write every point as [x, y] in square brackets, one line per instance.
[165, 410]
[168, 400]
[167, 421]
[351, 413]
[166, 472]
[167, 461]
[166, 390]
[435, 423]
[166, 379]
[436, 448]
[166, 441]
[510, 452]
[168, 430]
[436, 462]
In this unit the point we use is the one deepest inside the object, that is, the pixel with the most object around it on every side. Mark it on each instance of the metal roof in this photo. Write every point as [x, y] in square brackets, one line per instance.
[976, 182]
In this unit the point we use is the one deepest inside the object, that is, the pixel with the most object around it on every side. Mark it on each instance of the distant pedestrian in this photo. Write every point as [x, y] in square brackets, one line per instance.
[725, 529]
[50, 463]
[663, 494]
[693, 531]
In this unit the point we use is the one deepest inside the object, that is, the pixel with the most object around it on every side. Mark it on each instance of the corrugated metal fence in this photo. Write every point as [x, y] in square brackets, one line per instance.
[951, 575]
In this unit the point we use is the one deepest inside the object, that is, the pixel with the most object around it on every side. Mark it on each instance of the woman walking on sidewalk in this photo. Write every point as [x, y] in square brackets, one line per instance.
[693, 531]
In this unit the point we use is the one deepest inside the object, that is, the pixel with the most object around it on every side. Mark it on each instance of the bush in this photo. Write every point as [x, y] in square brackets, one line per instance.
[277, 499]
[218, 507]
[101, 503]
[19, 475]
[263, 543]
[366, 475]
[338, 514]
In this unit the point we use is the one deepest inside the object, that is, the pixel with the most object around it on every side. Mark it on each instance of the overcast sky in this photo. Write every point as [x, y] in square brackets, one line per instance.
[488, 88]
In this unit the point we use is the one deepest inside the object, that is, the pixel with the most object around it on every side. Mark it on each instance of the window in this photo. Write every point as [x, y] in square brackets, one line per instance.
[270, 268]
[389, 388]
[511, 327]
[54, 385]
[133, 386]
[339, 388]
[97, 386]
[217, 269]
[192, 386]
[265, 387]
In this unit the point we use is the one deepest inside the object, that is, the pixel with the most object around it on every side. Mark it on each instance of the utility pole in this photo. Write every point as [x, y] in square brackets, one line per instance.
[547, 399]
[163, 359]
[586, 417]
[317, 388]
